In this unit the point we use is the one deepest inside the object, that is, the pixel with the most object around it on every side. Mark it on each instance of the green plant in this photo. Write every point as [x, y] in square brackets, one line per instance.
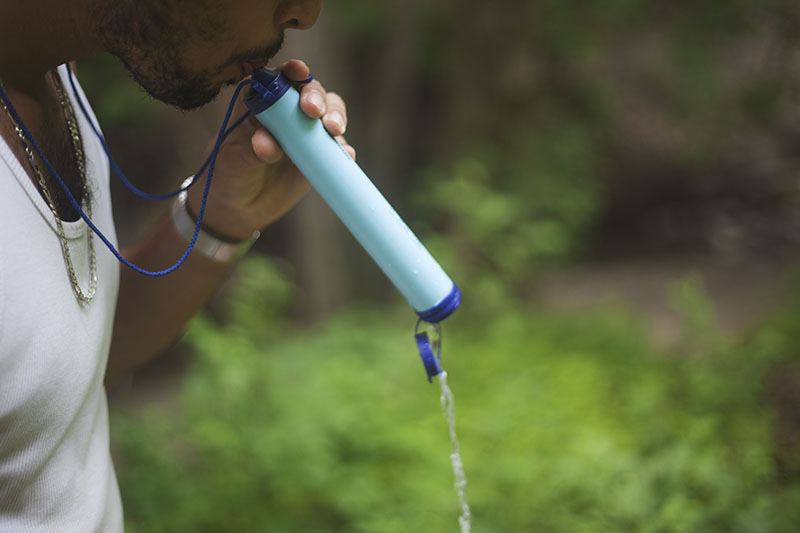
[568, 422]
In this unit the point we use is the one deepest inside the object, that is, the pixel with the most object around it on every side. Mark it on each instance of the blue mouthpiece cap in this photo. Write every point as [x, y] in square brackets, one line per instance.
[268, 87]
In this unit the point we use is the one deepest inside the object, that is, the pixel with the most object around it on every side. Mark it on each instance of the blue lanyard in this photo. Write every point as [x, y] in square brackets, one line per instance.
[208, 167]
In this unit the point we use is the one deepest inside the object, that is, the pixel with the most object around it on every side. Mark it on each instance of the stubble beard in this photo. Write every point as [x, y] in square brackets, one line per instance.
[148, 37]
[166, 80]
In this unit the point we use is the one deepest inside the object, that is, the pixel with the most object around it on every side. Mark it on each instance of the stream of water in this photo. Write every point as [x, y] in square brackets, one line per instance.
[449, 410]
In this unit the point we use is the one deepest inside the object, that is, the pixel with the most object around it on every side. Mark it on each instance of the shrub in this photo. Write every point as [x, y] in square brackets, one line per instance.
[567, 423]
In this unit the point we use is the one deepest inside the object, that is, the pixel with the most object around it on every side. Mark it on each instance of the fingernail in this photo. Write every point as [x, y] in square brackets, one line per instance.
[315, 99]
[338, 121]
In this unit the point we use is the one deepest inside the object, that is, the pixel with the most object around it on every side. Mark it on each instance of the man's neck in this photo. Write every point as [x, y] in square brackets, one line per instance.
[38, 35]
[35, 37]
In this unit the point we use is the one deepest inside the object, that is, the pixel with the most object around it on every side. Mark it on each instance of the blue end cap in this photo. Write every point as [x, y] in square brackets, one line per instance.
[433, 366]
[268, 87]
[444, 308]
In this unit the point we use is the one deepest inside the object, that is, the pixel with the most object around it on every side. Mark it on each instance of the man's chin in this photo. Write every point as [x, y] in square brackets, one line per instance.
[186, 100]
[187, 95]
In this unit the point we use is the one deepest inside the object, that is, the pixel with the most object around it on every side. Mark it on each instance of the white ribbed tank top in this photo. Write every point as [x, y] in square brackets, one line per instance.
[56, 472]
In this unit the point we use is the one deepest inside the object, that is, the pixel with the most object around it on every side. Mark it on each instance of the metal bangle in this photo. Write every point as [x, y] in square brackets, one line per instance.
[208, 245]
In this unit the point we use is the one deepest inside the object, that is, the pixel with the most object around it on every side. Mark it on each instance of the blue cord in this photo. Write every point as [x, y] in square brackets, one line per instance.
[115, 167]
[209, 163]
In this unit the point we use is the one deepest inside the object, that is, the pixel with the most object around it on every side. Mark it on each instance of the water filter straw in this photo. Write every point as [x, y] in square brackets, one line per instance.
[353, 197]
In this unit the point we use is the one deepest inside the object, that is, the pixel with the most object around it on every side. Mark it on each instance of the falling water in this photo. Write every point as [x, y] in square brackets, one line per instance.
[449, 410]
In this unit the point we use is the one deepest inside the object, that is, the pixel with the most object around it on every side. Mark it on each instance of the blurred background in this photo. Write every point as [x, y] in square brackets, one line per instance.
[614, 186]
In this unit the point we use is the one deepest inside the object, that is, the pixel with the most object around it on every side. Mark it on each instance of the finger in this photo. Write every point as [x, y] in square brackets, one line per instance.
[295, 69]
[313, 99]
[347, 148]
[265, 147]
[335, 118]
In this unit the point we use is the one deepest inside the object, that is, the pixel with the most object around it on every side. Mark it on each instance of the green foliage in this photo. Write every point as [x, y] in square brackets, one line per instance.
[506, 211]
[567, 423]
[260, 299]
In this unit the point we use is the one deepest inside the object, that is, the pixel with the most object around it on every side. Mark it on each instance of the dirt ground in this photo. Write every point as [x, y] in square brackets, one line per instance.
[743, 292]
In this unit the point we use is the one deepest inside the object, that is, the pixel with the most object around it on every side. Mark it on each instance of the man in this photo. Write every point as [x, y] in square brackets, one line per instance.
[70, 317]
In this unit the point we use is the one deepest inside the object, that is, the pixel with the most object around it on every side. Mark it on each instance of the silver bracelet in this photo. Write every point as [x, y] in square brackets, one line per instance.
[206, 244]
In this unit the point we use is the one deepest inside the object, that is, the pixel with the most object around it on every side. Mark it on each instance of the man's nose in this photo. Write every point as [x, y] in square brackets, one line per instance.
[297, 14]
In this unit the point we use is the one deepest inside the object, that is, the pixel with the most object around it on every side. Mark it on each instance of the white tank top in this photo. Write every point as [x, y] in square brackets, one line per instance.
[55, 466]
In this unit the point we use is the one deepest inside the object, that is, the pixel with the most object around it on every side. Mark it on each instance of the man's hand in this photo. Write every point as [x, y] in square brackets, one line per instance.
[254, 184]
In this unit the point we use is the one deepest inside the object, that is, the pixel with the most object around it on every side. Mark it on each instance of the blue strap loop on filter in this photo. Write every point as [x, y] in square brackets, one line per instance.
[431, 362]
[430, 351]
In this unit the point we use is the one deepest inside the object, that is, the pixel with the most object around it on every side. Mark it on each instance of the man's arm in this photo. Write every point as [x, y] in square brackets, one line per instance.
[254, 184]
[151, 312]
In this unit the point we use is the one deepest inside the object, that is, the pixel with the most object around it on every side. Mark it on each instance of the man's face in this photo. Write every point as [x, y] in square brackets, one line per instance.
[183, 52]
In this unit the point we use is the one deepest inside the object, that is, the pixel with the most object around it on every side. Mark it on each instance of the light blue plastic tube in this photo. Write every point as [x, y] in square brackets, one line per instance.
[353, 197]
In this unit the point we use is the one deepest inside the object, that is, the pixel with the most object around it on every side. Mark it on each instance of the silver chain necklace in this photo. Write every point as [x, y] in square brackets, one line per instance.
[77, 145]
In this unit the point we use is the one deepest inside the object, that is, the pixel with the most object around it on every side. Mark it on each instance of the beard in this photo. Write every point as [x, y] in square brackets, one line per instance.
[150, 38]
[166, 80]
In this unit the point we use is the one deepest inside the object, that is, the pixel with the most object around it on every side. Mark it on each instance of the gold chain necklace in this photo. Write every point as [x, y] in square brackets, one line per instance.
[77, 146]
